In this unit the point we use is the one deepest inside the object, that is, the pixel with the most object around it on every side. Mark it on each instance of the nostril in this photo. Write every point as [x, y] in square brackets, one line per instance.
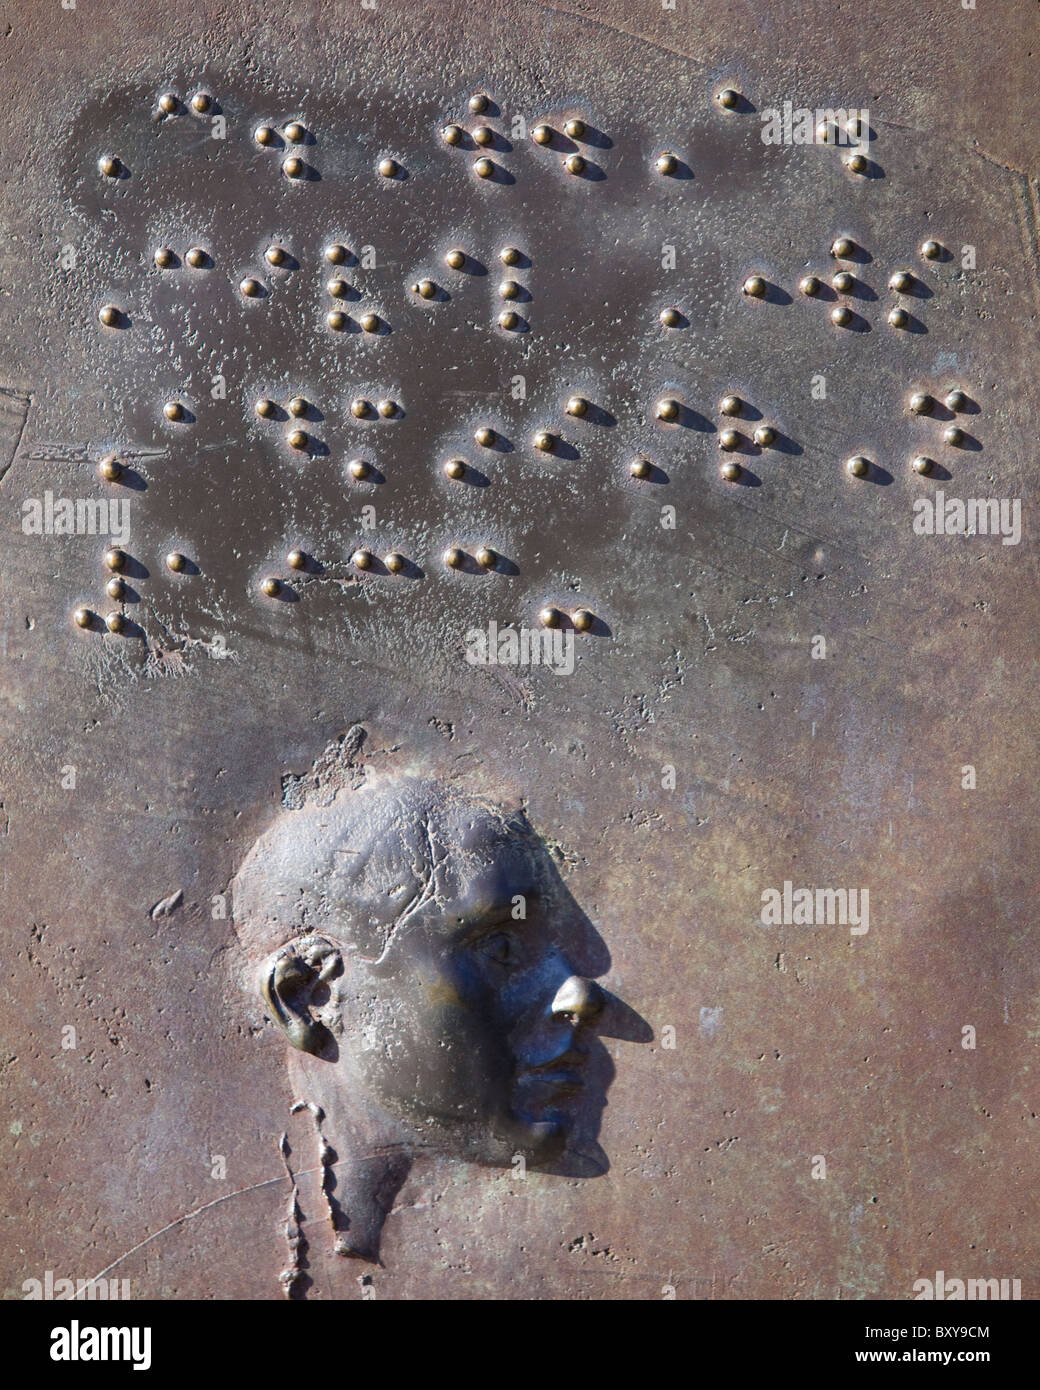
[578, 1000]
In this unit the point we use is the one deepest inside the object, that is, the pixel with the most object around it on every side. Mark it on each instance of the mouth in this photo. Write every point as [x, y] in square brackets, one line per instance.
[561, 1075]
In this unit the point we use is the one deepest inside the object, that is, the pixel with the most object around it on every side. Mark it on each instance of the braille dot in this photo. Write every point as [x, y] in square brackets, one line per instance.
[336, 253]
[271, 587]
[670, 318]
[509, 318]
[730, 470]
[197, 258]
[859, 467]
[389, 168]
[168, 103]
[667, 163]
[455, 258]
[173, 410]
[455, 468]
[370, 323]
[954, 435]
[298, 406]
[764, 436]
[110, 166]
[898, 317]
[755, 286]
[931, 250]
[297, 559]
[276, 255]
[575, 129]
[264, 135]
[295, 133]
[251, 288]
[484, 168]
[110, 468]
[923, 464]
[575, 164]
[544, 441]
[509, 289]
[361, 409]
[201, 102]
[176, 562]
[426, 289]
[856, 163]
[362, 559]
[360, 469]
[921, 403]
[337, 288]
[842, 315]
[668, 409]
[843, 282]
[116, 587]
[901, 281]
[730, 405]
[583, 620]
[484, 135]
[387, 408]
[395, 562]
[452, 134]
[164, 258]
[486, 557]
[542, 135]
[485, 436]
[843, 248]
[550, 617]
[729, 439]
[509, 255]
[577, 405]
[265, 407]
[109, 315]
[640, 468]
[83, 617]
[454, 558]
[729, 98]
[115, 622]
[115, 559]
[810, 285]
[479, 103]
[336, 320]
[293, 167]
[297, 439]
[956, 400]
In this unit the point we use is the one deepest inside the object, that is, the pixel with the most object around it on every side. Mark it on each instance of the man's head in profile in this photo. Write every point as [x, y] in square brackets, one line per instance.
[420, 954]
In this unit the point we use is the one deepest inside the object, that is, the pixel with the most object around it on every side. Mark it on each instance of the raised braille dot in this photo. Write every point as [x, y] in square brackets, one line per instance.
[297, 559]
[954, 435]
[923, 464]
[201, 102]
[115, 559]
[484, 135]
[575, 128]
[389, 168]
[370, 323]
[426, 289]
[276, 255]
[577, 405]
[295, 133]
[362, 559]
[173, 410]
[509, 289]
[109, 315]
[361, 409]
[395, 562]
[842, 315]
[110, 468]
[455, 258]
[336, 253]
[729, 439]
[454, 558]
[485, 436]
[265, 135]
[484, 168]
[667, 163]
[360, 469]
[668, 409]
[337, 288]
[731, 405]
[583, 619]
[856, 163]
[271, 586]
[901, 281]
[83, 617]
[486, 557]
[730, 470]
[843, 282]
[764, 436]
[574, 164]
[293, 167]
[640, 468]
[859, 467]
[921, 403]
[298, 406]
[931, 250]
[810, 285]
[898, 317]
[110, 166]
[265, 407]
[168, 103]
[956, 400]
[509, 318]
[455, 468]
[478, 103]
[670, 318]
[387, 408]
[297, 439]
[729, 98]
[116, 587]
[843, 248]
[452, 134]
[509, 255]
[755, 286]
[176, 562]
[542, 135]
[197, 258]
[544, 441]
[251, 288]
[336, 320]
[550, 616]
[164, 258]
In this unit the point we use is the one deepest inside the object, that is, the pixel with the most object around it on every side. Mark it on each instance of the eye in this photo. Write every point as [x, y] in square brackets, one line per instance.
[502, 947]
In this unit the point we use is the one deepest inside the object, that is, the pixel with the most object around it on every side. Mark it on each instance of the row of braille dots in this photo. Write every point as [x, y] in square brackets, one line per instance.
[956, 402]
[844, 282]
[117, 560]
[301, 409]
[575, 131]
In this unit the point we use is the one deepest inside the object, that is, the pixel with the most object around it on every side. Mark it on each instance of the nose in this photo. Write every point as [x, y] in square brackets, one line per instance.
[579, 999]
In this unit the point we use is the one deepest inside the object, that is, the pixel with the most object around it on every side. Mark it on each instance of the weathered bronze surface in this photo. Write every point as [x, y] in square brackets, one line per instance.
[253, 268]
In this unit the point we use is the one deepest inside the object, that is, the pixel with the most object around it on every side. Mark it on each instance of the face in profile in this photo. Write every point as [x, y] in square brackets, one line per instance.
[421, 955]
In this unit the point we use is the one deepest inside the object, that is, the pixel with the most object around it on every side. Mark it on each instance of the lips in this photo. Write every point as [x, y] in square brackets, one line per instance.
[565, 1072]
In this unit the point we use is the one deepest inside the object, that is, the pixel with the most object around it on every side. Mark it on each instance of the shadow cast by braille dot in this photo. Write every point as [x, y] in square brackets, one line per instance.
[133, 569]
[262, 292]
[597, 138]
[311, 175]
[471, 266]
[747, 411]
[938, 474]
[969, 444]
[410, 570]
[381, 329]
[473, 477]
[500, 445]
[597, 628]
[503, 565]
[656, 475]
[187, 418]
[375, 476]
[310, 412]
[914, 325]
[596, 415]
[881, 477]
[315, 449]
[129, 594]
[289, 263]
[286, 593]
[970, 407]
[748, 478]
[589, 173]
[522, 296]
[918, 289]
[521, 326]
[189, 570]
[742, 106]
[500, 175]
[681, 172]
[774, 294]
[857, 324]
[692, 420]
[562, 449]
[861, 290]
[859, 255]
[499, 143]
[522, 262]
[872, 171]
[129, 477]
[783, 444]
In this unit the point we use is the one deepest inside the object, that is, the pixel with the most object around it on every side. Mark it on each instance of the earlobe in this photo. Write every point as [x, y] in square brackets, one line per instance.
[287, 984]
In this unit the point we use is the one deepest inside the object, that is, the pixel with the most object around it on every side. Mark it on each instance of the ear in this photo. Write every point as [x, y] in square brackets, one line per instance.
[292, 985]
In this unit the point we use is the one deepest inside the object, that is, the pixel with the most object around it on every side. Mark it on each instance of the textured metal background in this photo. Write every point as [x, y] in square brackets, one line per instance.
[790, 1042]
